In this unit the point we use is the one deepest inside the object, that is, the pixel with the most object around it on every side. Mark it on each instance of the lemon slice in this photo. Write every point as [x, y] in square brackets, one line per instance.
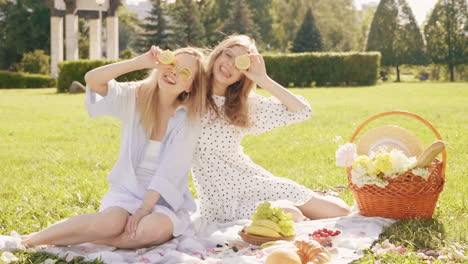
[242, 62]
[185, 73]
[166, 57]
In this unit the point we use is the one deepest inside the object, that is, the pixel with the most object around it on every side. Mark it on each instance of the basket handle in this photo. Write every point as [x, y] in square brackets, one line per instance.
[404, 113]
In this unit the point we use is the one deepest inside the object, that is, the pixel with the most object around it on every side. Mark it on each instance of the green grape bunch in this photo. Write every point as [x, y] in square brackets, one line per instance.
[277, 215]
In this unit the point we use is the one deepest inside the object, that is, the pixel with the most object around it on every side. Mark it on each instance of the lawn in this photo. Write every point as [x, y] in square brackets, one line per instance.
[54, 159]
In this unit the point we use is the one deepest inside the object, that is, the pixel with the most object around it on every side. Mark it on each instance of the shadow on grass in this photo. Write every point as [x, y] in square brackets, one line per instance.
[415, 233]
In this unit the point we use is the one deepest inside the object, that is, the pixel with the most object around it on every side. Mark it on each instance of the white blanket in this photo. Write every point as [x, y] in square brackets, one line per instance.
[213, 243]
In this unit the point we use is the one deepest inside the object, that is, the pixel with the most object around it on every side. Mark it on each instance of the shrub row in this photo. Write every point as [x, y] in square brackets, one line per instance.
[299, 70]
[75, 71]
[324, 69]
[25, 80]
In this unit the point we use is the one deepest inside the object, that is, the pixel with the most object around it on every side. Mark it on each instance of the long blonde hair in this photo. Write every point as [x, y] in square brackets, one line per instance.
[195, 100]
[236, 107]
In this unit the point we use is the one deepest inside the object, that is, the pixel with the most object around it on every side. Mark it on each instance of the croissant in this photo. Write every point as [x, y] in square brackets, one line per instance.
[311, 252]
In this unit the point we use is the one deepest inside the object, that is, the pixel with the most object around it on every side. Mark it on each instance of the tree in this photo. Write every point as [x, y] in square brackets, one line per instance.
[155, 29]
[337, 21]
[34, 62]
[446, 34]
[83, 41]
[395, 33]
[365, 19]
[129, 28]
[308, 38]
[261, 15]
[240, 21]
[24, 27]
[187, 28]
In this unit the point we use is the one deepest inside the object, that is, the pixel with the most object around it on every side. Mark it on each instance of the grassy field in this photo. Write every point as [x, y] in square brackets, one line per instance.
[54, 160]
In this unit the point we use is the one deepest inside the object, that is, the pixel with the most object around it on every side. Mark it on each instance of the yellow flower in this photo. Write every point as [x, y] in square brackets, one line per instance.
[366, 162]
[383, 162]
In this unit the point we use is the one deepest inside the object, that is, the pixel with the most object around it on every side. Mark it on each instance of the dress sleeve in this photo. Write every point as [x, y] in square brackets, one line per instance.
[117, 102]
[266, 114]
[171, 177]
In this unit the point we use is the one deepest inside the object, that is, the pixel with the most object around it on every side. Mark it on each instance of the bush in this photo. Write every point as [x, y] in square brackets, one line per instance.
[24, 80]
[127, 54]
[75, 71]
[324, 69]
[34, 62]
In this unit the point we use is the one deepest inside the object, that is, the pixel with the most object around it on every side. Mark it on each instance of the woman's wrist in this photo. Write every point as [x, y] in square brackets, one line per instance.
[145, 209]
[265, 82]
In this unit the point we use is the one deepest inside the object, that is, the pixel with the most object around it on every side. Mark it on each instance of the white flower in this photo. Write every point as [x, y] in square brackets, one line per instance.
[49, 261]
[421, 172]
[8, 257]
[337, 139]
[401, 162]
[345, 155]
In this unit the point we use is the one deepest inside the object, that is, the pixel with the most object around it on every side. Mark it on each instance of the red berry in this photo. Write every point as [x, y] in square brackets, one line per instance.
[338, 232]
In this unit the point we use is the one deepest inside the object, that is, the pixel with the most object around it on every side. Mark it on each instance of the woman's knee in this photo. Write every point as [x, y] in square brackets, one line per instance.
[111, 221]
[154, 229]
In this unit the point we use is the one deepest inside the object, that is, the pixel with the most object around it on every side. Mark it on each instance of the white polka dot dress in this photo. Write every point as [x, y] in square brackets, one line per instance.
[229, 184]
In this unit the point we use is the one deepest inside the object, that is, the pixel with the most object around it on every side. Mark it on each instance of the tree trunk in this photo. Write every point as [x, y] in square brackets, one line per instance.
[452, 72]
[398, 73]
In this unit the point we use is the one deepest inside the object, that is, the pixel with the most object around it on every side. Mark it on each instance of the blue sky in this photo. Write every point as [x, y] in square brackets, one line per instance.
[420, 7]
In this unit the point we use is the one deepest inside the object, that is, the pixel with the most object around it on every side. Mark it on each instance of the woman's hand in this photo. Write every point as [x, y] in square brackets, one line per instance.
[150, 59]
[134, 220]
[257, 70]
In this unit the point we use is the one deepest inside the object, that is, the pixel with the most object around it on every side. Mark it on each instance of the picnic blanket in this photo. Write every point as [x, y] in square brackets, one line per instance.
[220, 244]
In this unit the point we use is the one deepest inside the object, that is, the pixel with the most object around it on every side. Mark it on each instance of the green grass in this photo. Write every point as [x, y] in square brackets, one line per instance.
[54, 159]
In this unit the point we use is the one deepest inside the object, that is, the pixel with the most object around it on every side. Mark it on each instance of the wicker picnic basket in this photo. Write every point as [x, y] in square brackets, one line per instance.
[407, 196]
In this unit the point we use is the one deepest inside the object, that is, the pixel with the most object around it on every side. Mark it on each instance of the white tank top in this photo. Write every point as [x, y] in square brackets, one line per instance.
[149, 163]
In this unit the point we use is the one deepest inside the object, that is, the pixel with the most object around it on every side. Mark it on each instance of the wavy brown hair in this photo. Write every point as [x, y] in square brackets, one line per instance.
[195, 100]
[236, 108]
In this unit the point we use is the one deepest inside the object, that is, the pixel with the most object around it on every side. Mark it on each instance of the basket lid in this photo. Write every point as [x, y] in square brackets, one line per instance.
[393, 137]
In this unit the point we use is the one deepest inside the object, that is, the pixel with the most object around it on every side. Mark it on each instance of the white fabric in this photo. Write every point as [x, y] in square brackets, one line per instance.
[123, 198]
[177, 146]
[149, 163]
[229, 184]
[358, 232]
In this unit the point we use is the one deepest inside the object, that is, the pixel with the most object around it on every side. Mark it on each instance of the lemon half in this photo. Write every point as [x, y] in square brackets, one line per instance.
[242, 62]
[166, 57]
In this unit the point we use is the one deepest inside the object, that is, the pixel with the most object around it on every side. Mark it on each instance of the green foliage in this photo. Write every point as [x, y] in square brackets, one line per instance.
[83, 42]
[261, 15]
[34, 62]
[240, 21]
[308, 37]
[323, 69]
[210, 20]
[396, 35]
[447, 33]
[127, 54]
[187, 28]
[75, 71]
[24, 27]
[129, 28]
[155, 29]
[24, 80]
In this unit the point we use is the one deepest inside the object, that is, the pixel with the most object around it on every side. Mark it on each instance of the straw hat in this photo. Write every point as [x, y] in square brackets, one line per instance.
[392, 137]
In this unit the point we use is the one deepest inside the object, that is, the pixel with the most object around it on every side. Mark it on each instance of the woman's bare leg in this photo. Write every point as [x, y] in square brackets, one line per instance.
[153, 229]
[321, 206]
[81, 228]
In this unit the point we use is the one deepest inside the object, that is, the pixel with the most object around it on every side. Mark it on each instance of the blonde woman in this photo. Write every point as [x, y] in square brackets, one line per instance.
[148, 201]
[229, 184]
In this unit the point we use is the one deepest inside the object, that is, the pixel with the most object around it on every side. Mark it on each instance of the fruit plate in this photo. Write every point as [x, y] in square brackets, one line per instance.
[259, 240]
